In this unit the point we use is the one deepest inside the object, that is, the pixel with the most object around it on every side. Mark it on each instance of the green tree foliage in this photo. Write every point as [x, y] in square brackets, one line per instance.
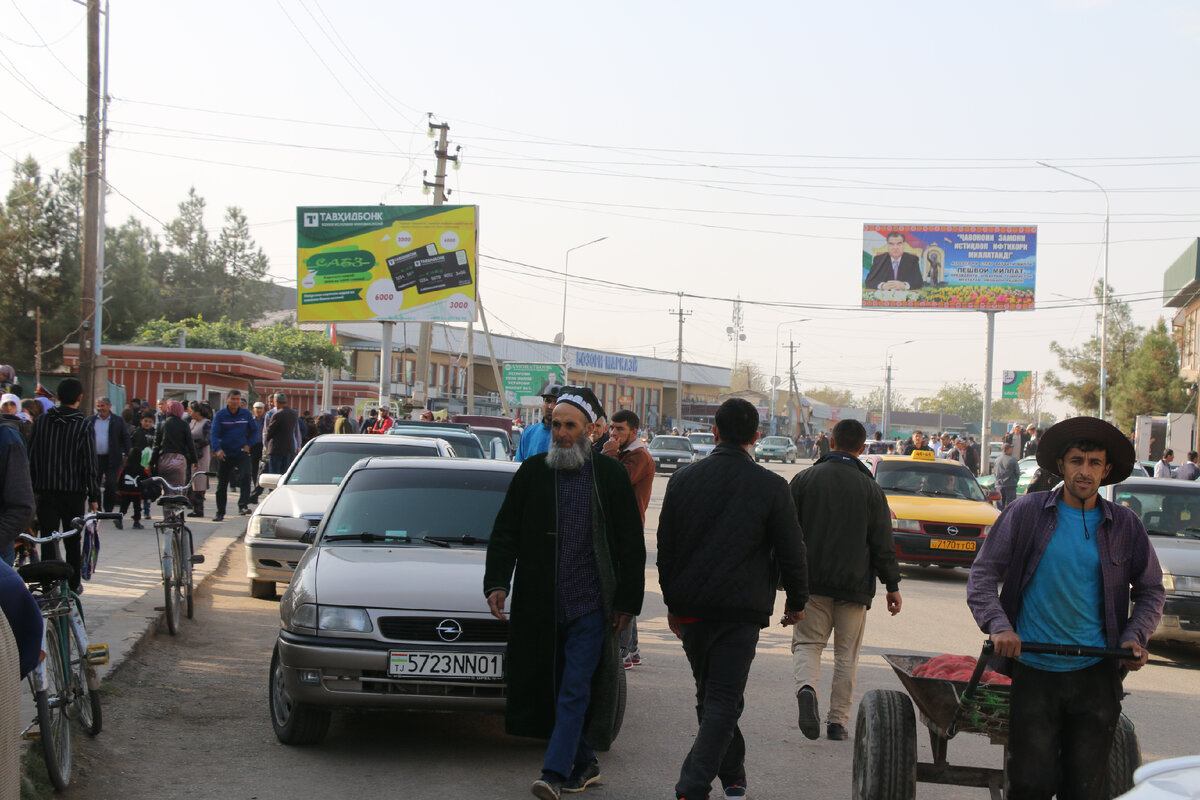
[1008, 410]
[873, 401]
[1083, 363]
[831, 396]
[963, 399]
[302, 352]
[1150, 382]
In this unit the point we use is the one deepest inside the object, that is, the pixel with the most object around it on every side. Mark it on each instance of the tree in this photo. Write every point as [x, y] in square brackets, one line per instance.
[831, 396]
[749, 375]
[1008, 410]
[1150, 382]
[873, 401]
[302, 352]
[1083, 362]
[963, 399]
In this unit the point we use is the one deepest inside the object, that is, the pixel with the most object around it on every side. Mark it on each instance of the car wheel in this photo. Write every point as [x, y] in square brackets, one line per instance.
[262, 590]
[293, 722]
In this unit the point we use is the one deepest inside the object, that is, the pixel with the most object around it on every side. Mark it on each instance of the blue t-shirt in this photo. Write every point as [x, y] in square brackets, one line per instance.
[1064, 601]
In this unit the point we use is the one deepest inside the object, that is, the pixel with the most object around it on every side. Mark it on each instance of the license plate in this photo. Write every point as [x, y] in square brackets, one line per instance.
[418, 664]
[950, 544]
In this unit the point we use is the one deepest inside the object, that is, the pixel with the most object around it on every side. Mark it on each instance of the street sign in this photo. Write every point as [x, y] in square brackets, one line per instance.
[524, 382]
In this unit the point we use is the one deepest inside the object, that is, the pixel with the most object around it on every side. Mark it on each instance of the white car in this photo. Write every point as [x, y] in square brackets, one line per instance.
[304, 492]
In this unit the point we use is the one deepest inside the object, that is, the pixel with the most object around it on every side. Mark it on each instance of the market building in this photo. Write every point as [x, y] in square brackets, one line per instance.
[1181, 290]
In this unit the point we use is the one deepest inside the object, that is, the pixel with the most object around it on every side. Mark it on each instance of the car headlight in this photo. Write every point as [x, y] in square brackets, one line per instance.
[261, 525]
[1168, 582]
[340, 618]
[986, 530]
[305, 616]
[906, 525]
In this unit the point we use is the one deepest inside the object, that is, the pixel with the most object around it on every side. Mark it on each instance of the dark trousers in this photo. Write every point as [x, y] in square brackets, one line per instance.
[55, 510]
[277, 463]
[240, 462]
[110, 474]
[720, 654]
[128, 500]
[256, 453]
[580, 642]
[1008, 496]
[1061, 731]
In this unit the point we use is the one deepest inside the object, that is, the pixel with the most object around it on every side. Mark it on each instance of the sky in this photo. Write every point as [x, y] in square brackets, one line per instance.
[724, 152]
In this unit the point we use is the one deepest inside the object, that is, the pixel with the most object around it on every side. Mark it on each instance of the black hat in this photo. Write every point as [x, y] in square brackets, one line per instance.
[551, 389]
[1119, 451]
[582, 398]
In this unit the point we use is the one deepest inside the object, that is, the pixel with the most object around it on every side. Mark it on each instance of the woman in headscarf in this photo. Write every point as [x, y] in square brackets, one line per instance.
[173, 448]
[201, 427]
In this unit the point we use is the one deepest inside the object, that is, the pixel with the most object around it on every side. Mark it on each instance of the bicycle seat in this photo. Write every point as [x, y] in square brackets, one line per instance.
[45, 571]
[174, 499]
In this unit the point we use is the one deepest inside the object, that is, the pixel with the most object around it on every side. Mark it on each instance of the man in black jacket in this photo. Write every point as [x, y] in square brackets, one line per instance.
[727, 538]
[848, 536]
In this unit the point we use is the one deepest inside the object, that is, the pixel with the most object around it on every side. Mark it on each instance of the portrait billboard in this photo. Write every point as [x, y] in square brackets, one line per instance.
[523, 383]
[981, 267]
[386, 263]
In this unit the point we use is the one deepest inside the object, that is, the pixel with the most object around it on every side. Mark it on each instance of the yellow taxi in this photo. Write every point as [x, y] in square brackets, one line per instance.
[940, 515]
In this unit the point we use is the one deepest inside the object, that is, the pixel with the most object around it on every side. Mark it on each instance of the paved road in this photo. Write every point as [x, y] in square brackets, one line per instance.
[190, 713]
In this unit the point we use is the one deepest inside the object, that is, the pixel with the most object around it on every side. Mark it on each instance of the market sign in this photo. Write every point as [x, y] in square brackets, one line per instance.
[523, 383]
[985, 268]
[1016, 384]
[387, 263]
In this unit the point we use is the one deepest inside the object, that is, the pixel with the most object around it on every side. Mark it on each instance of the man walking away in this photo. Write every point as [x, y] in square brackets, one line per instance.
[112, 445]
[1189, 471]
[624, 445]
[279, 441]
[62, 465]
[848, 537]
[727, 538]
[574, 591]
[1162, 469]
[877, 447]
[1076, 569]
[232, 430]
[1008, 472]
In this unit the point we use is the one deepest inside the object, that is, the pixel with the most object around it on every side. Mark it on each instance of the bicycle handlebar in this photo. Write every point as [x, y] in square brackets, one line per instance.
[76, 527]
[176, 489]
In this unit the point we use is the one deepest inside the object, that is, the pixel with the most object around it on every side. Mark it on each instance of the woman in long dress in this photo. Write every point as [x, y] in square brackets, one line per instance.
[201, 427]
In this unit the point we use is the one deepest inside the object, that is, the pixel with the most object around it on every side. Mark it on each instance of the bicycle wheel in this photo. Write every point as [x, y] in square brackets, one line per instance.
[53, 726]
[185, 560]
[170, 585]
[84, 699]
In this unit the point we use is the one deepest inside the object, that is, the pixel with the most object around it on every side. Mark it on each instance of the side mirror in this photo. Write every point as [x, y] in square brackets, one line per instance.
[269, 480]
[498, 452]
[994, 496]
[294, 528]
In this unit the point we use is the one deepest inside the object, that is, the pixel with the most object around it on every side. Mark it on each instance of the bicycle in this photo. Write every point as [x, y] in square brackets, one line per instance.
[64, 683]
[175, 549]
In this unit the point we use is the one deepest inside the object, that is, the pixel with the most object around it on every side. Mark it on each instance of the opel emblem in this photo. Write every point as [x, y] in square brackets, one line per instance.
[449, 630]
[950, 529]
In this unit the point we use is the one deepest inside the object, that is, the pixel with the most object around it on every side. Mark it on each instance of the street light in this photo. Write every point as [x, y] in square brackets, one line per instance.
[562, 334]
[775, 371]
[1104, 296]
[887, 384]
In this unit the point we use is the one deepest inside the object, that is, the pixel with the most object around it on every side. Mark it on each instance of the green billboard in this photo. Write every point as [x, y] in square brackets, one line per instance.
[523, 383]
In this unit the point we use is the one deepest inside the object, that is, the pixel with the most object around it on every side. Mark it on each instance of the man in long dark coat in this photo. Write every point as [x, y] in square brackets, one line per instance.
[571, 528]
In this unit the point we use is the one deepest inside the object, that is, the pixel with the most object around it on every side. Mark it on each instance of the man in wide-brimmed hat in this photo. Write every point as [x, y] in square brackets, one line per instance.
[1071, 563]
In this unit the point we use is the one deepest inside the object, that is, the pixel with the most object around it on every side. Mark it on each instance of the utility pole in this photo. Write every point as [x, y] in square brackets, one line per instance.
[425, 345]
[91, 206]
[793, 389]
[679, 363]
[100, 363]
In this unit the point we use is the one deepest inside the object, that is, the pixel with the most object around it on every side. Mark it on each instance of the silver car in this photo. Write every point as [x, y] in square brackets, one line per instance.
[304, 492]
[386, 609]
[671, 452]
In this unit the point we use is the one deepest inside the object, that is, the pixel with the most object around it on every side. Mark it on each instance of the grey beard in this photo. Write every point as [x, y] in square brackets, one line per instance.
[572, 459]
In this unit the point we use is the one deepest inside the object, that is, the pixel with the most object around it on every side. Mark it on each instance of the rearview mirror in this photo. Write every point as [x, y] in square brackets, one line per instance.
[293, 528]
[994, 496]
[269, 480]
[497, 449]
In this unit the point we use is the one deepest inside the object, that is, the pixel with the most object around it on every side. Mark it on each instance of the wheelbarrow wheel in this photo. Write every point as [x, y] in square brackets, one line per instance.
[885, 747]
[1126, 756]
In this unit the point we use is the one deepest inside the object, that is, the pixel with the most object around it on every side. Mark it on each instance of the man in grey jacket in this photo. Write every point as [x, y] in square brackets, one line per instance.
[1008, 473]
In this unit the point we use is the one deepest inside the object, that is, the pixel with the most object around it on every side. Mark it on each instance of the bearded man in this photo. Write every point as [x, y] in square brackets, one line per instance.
[571, 528]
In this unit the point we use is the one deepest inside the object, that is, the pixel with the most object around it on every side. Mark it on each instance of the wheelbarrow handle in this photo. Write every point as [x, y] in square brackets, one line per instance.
[1043, 648]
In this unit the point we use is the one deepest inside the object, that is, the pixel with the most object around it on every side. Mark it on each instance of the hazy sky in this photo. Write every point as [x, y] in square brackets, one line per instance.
[723, 150]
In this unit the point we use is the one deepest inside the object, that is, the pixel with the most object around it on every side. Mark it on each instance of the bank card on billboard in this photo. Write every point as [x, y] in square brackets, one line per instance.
[443, 271]
[403, 269]
[980, 267]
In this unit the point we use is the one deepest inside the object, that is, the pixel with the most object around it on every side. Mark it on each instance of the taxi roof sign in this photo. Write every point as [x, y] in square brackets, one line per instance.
[923, 455]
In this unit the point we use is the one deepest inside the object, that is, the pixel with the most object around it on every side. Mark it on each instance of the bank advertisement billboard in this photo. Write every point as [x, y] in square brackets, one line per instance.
[386, 263]
[981, 267]
[523, 383]
[1016, 385]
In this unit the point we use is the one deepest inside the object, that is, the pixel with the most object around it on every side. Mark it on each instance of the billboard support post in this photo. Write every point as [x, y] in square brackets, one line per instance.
[385, 364]
[985, 448]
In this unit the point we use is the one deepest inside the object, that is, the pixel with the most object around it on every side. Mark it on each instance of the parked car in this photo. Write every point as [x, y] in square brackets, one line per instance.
[775, 447]
[1028, 466]
[940, 516]
[304, 492]
[466, 444]
[702, 443]
[496, 443]
[1170, 510]
[671, 452]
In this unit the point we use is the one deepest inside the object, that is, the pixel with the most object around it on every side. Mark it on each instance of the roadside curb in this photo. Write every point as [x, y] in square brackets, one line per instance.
[125, 630]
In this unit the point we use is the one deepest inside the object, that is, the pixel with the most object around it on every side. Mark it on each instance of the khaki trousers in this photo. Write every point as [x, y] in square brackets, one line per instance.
[846, 620]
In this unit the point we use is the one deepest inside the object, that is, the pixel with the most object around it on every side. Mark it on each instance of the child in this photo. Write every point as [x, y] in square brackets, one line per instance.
[141, 443]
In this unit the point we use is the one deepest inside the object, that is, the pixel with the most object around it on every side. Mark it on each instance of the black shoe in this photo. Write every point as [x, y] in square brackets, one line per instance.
[219, 517]
[120, 523]
[835, 732]
[244, 510]
[546, 787]
[582, 776]
[137, 526]
[810, 717]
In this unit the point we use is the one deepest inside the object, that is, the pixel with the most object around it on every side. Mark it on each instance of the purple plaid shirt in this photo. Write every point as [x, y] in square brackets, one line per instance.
[578, 574]
[1129, 568]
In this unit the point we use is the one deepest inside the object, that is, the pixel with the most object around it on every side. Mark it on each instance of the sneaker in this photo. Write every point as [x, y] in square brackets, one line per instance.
[137, 526]
[583, 777]
[627, 663]
[219, 517]
[120, 523]
[546, 787]
[810, 717]
[735, 791]
[835, 732]
[635, 658]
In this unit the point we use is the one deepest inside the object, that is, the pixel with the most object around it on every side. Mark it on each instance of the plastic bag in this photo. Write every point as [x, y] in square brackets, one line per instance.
[90, 550]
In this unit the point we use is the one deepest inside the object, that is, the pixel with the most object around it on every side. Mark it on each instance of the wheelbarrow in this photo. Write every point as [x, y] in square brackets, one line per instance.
[885, 736]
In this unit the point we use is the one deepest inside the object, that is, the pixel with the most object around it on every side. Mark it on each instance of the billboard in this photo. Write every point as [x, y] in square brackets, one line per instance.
[386, 263]
[985, 268]
[1016, 384]
[523, 383]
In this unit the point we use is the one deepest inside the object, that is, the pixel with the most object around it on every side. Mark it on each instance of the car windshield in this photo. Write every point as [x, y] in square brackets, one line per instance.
[776, 441]
[927, 480]
[487, 437]
[327, 461]
[465, 444]
[671, 443]
[1165, 511]
[412, 506]
[702, 438]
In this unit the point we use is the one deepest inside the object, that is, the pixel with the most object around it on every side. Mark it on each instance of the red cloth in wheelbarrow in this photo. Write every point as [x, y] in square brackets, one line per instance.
[956, 668]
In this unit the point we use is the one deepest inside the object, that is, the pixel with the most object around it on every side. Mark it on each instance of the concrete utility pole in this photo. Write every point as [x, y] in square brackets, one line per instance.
[425, 343]
[679, 364]
[100, 363]
[91, 207]
[793, 389]
[985, 436]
